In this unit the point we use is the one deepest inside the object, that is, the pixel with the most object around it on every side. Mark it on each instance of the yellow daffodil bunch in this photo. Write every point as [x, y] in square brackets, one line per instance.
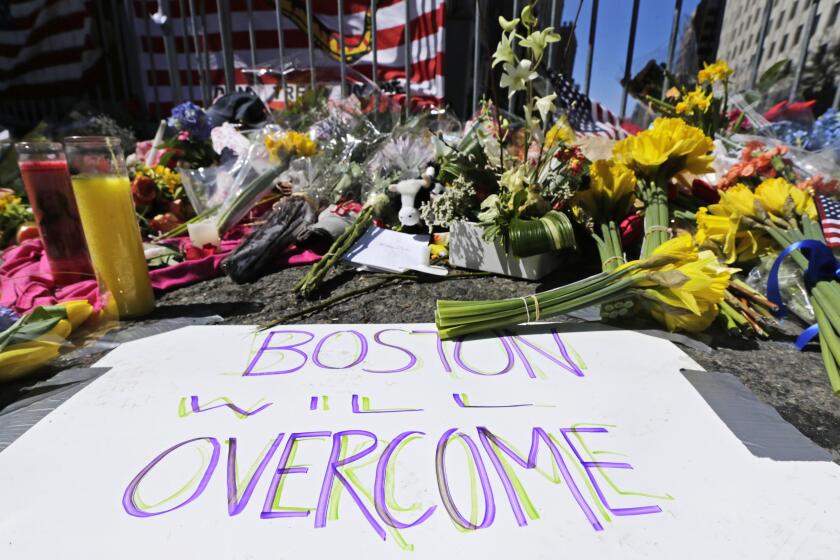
[289, 143]
[706, 105]
[774, 202]
[726, 236]
[669, 148]
[683, 287]
[694, 101]
[716, 72]
[611, 192]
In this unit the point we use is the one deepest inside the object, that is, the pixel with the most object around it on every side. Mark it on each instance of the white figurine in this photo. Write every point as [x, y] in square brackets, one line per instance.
[408, 189]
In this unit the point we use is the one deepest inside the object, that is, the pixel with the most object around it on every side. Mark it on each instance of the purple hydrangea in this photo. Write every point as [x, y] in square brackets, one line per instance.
[189, 117]
[7, 318]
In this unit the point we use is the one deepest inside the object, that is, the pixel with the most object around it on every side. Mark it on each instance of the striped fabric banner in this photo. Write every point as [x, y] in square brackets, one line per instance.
[427, 45]
[46, 47]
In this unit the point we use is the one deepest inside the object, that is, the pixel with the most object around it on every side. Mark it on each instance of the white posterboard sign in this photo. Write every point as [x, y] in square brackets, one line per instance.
[373, 441]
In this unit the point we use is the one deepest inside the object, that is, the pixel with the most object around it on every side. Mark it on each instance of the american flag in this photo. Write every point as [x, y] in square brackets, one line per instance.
[426, 32]
[586, 117]
[829, 210]
[46, 48]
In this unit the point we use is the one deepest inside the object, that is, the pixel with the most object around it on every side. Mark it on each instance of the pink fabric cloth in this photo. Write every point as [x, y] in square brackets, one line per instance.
[26, 281]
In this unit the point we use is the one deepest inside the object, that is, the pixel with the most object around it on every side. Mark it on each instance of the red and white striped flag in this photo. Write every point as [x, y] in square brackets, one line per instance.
[427, 43]
[829, 211]
[46, 48]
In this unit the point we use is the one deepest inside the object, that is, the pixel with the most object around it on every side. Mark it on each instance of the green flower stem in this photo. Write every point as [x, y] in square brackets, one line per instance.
[830, 349]
[310, 283]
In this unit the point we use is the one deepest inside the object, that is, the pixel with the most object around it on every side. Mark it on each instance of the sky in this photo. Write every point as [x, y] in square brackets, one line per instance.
[613, 31]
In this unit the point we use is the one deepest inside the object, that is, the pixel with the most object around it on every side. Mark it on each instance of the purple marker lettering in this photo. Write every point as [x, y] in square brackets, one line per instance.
[566, 362]
[361, 357]
[589, 465]
[128, 496]
[235, 506]
[443, 485]
[379, 501]
[313, 403]
[333, 473]
[441, 353]
[241, 411]
[508, 352]
[412, 359]
[537, 434]
[266, 346]
[282, 469]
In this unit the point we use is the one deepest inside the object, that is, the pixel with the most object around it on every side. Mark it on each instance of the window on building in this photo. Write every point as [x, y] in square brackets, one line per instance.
[832, 18]
[797, 36]
[816, 23]
[793, 10]
[780, 20]
[770, 51]
[783, 45]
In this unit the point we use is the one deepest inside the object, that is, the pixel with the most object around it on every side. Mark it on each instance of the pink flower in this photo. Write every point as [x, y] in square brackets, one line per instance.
[184, 135]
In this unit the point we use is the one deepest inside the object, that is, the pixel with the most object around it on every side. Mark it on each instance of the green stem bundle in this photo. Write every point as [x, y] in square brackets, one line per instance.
[824, 297]
[309, 284]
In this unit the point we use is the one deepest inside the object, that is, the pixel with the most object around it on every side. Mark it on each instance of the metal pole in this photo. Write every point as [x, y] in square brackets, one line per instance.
[374, 55]
[281, 47]
[759, 48]
[556, 8]
[252, 40]
[631, 43]
[103, 41]
[476, 54]
[408, 57]
[672, 44]
[836, 102]
[152, 69]
[202, 78]
[593, 26]
[185, 39]
[309, 44]
[171, 53]
[227, 47]
[206, 51]
[803, 54]
[117, 21]
[342, 60]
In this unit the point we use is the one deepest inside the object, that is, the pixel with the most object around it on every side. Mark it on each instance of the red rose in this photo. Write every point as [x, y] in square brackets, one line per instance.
[631, 229]
[143, 190]
[164, 222]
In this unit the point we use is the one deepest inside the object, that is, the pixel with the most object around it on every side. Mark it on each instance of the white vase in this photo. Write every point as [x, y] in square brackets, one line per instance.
[467, 249]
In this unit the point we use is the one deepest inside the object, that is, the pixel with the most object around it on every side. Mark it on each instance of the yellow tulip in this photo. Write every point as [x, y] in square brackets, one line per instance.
[78, 311]
[19, 359]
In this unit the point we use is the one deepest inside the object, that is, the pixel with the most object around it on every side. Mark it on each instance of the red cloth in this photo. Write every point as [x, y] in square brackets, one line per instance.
[790, 111]
[26, 281]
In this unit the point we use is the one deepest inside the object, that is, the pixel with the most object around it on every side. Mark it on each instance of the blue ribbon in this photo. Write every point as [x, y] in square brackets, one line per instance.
[822, 265]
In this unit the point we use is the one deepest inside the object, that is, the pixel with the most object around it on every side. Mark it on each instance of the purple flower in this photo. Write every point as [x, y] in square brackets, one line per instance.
[7, 318]
[189, 117]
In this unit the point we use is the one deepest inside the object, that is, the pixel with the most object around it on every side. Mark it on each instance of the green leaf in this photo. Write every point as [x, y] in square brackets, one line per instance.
[31, 326]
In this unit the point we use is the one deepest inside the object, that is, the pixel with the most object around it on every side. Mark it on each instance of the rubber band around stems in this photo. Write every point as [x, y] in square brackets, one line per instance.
[653, 229]
[528, 311]
[611, 259]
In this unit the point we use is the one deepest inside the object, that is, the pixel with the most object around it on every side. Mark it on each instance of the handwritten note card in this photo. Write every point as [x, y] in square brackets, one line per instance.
[372, 441]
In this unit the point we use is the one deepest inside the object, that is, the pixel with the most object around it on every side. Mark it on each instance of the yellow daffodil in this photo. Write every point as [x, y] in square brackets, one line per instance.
[726, 236]
[693, 101]
[611, 192]
[670, 144]
[783, 199]
[711, 73]
[685, 294]
[290, 143]
[738, 200]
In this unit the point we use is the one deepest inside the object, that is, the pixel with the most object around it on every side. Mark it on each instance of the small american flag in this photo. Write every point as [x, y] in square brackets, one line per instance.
[829, 210]
[585, 116]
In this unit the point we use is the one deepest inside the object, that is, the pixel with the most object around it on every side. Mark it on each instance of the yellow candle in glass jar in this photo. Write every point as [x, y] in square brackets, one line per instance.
[114, 241]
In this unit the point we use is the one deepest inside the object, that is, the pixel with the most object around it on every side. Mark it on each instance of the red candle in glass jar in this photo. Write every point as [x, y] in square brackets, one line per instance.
[46, 177]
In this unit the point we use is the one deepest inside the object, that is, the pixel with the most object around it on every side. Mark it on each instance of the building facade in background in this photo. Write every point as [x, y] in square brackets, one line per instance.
[700, 37]
[785, 38]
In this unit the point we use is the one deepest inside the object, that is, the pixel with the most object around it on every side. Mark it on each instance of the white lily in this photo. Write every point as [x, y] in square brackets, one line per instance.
[545, 105]
[514, 78]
